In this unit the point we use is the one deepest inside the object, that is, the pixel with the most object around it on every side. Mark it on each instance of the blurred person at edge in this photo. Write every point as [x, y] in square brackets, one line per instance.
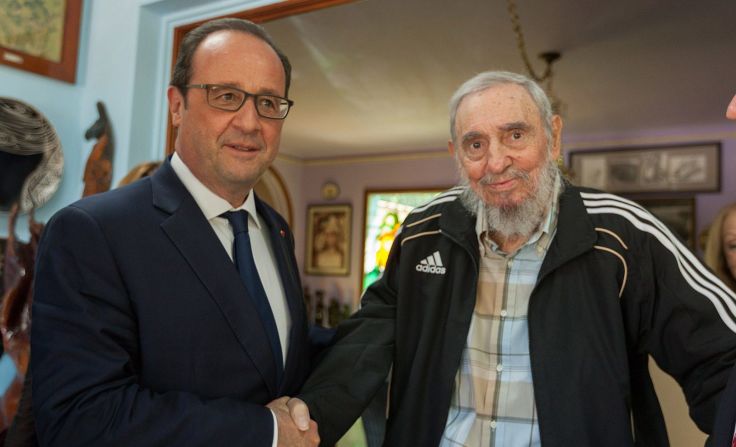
[720, 249]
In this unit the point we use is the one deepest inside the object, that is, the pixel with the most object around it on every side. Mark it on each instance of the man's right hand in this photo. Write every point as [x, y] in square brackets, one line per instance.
[295, 426]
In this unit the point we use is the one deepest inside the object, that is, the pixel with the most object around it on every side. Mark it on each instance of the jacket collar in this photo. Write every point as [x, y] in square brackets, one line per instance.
[459, 224]
[575, 233]
[283, 250]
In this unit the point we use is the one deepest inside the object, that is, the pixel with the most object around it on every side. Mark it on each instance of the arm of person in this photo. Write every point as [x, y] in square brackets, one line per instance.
[320, 340]
[86, 358]
[686, 321]
[355, 367]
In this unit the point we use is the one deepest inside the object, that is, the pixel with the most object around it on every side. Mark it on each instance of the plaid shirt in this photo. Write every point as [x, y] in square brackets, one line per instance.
[493, 401]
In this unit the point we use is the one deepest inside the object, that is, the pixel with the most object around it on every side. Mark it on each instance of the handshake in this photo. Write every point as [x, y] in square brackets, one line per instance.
[295, 428]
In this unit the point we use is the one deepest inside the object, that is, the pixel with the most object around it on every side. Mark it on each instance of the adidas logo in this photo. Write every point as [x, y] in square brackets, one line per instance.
[432, 264]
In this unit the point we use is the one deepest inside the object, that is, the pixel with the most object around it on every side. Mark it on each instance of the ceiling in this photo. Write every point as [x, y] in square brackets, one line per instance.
[374, 76]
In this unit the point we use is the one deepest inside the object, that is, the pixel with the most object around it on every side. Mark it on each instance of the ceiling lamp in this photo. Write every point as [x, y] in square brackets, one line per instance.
[549, 57]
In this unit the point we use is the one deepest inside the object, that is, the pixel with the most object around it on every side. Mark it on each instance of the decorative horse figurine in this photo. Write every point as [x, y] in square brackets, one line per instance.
[98, 171]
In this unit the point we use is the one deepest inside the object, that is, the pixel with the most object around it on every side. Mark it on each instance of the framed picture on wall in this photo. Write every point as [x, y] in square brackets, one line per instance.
[683, 168]
[41, 37]
[678, 214]
[385, 210]
[328, 240]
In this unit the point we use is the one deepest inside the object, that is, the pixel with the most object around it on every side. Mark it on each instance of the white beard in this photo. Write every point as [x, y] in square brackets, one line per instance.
[515, 220]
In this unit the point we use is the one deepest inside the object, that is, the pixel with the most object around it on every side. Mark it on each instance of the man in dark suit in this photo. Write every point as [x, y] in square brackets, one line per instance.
[145, 332]
[724, 429]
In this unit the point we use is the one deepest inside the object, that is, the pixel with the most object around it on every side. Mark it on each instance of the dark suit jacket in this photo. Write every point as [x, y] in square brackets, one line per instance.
[143, 333]
[723, 427]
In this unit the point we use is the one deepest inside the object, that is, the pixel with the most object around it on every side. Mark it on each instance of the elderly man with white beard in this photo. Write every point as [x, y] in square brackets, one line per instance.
[519, 310]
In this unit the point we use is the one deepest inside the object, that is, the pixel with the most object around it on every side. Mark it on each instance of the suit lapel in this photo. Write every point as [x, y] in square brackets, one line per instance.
[281, 244]
[196, 241]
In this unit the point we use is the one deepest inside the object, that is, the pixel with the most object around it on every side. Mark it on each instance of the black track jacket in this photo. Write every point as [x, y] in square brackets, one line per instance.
[615, 287]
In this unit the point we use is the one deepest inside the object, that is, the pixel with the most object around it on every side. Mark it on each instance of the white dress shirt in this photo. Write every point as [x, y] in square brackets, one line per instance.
[212, 207]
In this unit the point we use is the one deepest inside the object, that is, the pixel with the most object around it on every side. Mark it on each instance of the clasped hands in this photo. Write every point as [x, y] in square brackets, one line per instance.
[295, 426]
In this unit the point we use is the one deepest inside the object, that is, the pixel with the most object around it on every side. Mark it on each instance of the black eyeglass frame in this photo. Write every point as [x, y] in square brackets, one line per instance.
[246, 94]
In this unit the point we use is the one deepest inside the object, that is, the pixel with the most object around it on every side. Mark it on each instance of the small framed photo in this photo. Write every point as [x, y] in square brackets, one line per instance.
[328, 239]
[659, 169]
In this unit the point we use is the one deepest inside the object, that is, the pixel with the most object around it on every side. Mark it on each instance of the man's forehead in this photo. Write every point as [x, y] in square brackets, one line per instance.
[508, 95]
[214, 40]
[227, 56]
[226, 39]
[505, 105]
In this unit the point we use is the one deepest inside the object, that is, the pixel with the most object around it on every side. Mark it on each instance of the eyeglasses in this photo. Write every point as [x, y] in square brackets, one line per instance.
[231, 99]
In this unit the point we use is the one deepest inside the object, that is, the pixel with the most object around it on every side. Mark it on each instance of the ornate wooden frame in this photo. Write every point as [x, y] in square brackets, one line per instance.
[319, 218]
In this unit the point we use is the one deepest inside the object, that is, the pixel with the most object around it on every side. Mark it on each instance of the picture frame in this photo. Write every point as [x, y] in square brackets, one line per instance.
[651, 169]
[677, 213]
[328, 240]
[384, 212]
[42, 37]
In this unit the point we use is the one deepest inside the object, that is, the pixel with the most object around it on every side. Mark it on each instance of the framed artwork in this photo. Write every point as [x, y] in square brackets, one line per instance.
[677, 213]
[41, 36]
[385, 210]
[686, 168]
[328, 239]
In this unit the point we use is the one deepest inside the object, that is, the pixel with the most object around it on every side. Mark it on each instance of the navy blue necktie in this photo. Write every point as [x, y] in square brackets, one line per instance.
[246, 265]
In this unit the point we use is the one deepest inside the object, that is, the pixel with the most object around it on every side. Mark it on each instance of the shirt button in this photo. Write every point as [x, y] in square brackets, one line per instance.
[493, 424]
[503, 313]
[499, 367]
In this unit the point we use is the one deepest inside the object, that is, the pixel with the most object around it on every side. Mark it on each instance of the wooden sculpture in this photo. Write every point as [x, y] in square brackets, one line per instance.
[15, 316]
[98, 170]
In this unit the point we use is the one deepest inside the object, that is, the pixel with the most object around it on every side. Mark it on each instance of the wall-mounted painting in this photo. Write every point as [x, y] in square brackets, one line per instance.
[328, 239]
[41, 36]
[385, 210]
[685, 168]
